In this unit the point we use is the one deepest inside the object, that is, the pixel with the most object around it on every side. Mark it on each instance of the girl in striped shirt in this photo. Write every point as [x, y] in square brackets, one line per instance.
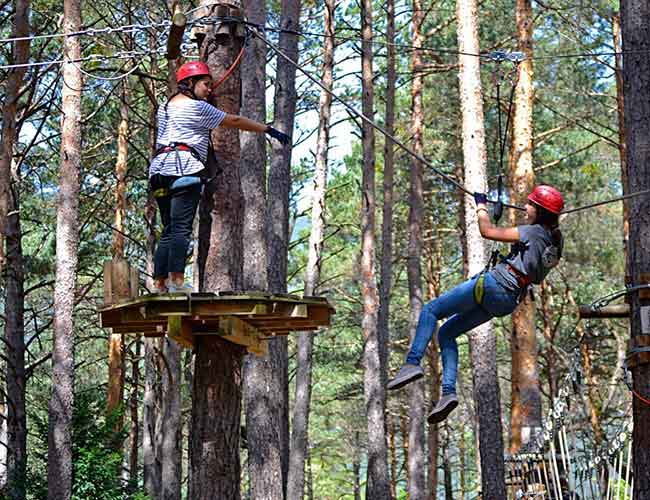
[178, 167]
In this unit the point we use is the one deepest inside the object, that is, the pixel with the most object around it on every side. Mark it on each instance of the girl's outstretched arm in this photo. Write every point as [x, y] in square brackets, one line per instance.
[489, 230]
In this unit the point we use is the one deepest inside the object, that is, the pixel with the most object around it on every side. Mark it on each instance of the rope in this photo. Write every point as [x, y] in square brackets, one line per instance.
[91, 57]
[229, 71]
[605, 202]
[380, 129]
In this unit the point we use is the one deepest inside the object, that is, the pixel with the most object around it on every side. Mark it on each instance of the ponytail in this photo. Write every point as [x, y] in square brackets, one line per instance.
[185, 87]
[552, 222]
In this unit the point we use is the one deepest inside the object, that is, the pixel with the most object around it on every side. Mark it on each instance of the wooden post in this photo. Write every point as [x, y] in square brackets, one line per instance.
[120, 285]
[121, 282]
[609, 311]
[179, 20]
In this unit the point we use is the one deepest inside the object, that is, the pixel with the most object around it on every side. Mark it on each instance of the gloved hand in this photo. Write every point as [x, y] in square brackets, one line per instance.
[480, 198]
[277, 135]
[498, 211]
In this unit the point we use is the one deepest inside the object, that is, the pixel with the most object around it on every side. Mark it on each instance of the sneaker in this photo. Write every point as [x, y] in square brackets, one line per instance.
[184, 288]
[443, 408]
[406, 374]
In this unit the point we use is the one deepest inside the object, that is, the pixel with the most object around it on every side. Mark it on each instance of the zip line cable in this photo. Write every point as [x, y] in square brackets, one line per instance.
[413, 153]
[363, 117]
[497, 56]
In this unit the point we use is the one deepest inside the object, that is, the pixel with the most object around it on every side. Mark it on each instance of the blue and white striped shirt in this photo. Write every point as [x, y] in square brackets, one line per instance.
[188, 122]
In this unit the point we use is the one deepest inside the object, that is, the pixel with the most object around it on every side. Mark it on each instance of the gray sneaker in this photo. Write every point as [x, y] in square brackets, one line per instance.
[406, 374]
[184, 288]
[443, 408]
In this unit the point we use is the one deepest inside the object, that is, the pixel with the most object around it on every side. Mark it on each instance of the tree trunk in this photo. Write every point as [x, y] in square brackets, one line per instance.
[11, 235]
[15, 338]
[482, 339]
[301, 408]
[278, 210]
[417, 488]
[15, 76]
[134, 436]
[172, 425]
[386, 263]
[635, 20]
[262, 382]
[435, 288]
[446, 466]
[620, 108]
[151, 399]
[526, 409]
[116, 366]
[59, 474]
[377, 485]
[216, 404]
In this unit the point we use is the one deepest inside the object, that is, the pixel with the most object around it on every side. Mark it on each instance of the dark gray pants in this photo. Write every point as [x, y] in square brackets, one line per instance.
[177, 211]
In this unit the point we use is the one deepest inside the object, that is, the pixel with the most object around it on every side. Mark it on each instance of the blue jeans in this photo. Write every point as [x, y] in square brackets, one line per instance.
[177, 211]
[464, 313]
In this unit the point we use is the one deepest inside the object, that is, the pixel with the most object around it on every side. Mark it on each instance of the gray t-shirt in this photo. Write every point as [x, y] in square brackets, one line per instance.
[534, 255]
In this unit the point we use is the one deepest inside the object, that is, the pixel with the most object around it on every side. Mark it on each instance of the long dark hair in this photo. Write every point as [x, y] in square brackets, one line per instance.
[552, 222]
[185, 87]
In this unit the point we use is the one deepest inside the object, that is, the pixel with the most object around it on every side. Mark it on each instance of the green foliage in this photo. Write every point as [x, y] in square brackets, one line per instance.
[97, 453]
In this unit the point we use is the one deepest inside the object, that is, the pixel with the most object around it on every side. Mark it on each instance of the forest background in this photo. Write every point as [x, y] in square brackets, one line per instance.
[576, 148]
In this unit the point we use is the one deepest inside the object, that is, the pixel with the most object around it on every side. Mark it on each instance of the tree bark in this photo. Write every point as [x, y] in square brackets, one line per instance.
[482, 339]
[134, 436]
[377, 484]
[635, 21]
[526, 398]
[278, 211]
[216, 404]
[116, 366]
[172, 425]
[262, 382]
[11, 235]
[20, 55]
[435, 289]
[299, 435]
[16, 379]
[417, 487]
[620, 109]
[59, 474]
[386, 262]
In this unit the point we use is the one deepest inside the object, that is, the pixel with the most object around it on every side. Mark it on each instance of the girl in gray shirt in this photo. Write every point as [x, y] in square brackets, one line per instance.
[536, 249]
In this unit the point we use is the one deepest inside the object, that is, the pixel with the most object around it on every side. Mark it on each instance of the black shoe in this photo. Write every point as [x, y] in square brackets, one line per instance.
[443, 408]
[406, 374]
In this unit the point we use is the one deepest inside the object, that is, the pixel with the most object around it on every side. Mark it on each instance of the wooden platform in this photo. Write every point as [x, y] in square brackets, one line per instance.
[247, 318]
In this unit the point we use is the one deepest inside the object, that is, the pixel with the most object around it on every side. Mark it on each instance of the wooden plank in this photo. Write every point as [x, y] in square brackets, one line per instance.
[609, 311]
[180, 330]
[229, 308]
[239, 332]
[135, 329]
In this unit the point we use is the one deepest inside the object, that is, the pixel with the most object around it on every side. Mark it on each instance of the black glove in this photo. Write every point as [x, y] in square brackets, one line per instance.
[480, 198]
[278, 136]
[498, 211]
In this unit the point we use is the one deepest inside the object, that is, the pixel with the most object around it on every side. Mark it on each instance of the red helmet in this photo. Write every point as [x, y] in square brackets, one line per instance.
[193, 68]
[547, 197]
